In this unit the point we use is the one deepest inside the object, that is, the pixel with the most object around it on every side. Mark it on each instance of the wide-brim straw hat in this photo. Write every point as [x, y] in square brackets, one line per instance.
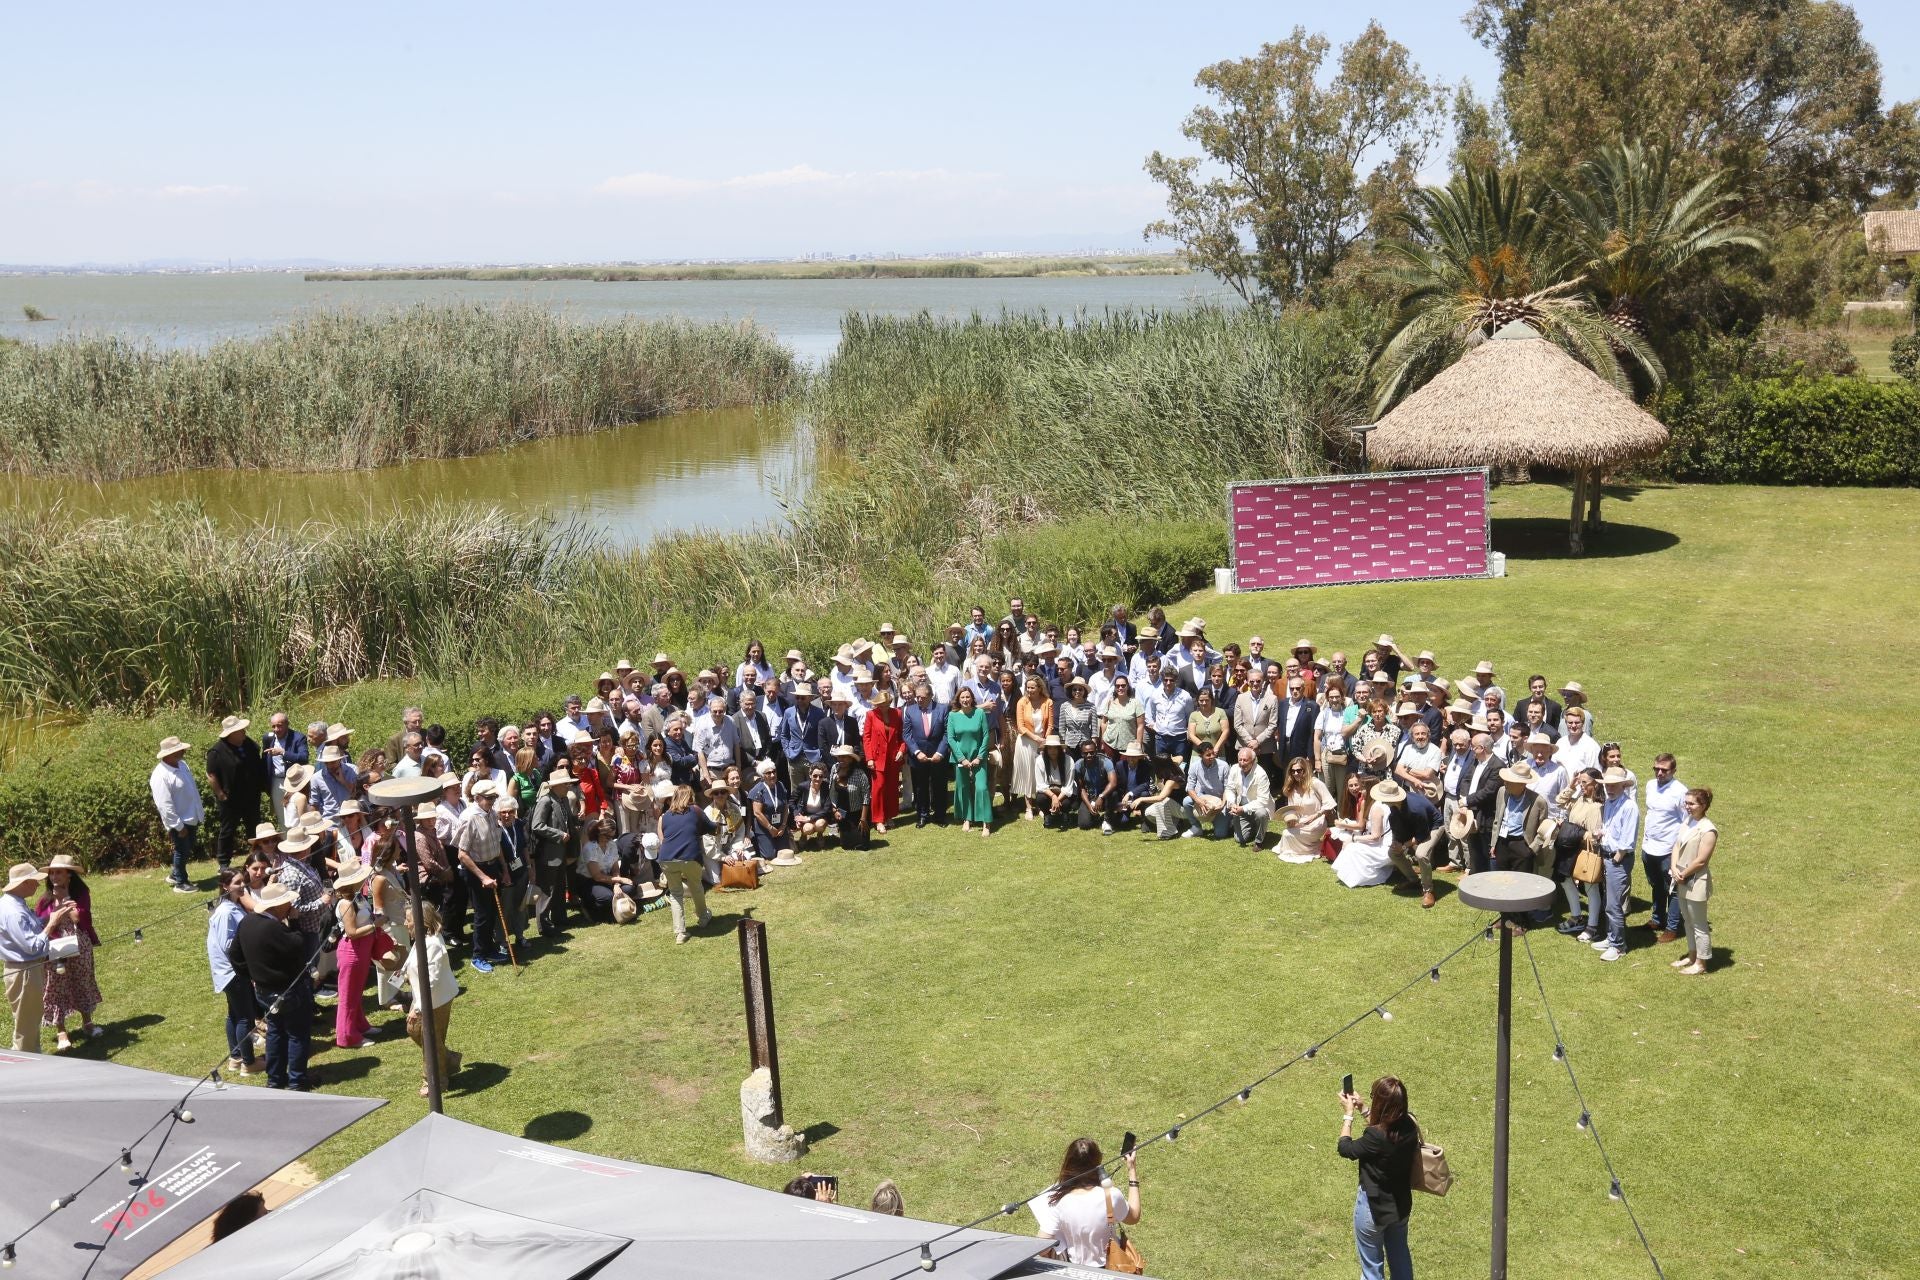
[862, 645]
[623, 665]
[171, 746]
[1187, 633]
[1517, 772]
[331, 754]
[1573, 686]
[1384, 642]
[266, 831]
[23, 873]
[1461, 708]
[789, 859]
[298, 776]
[1303, 643]
[803, 690]
[352, 876]
[425, 812]
[312, 821]
[1405, 709]
[1133, 751]
[881, 697]
[1483, 668]
[661, 660]
[349, 807]
[1426, 655]
[1388, 792]
[1615, 776]
[560, 777]
[273, 895]
[297, 841]
[845, 752]
[233, 724]
[449, 782]
[1462, 824]
[338, 730]
[1053, 740]
[1539, 739]
[64, 862]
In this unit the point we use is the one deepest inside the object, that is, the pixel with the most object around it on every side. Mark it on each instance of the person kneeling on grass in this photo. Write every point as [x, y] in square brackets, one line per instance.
[441, 985]
[1098, 786]
[600, 873]
[1053, 784]
[850, 796]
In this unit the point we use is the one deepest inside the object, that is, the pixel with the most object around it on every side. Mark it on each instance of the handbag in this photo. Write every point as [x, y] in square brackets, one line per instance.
[1122, 1254]
[1587, 867]
[1430, 1171]
[740, 875]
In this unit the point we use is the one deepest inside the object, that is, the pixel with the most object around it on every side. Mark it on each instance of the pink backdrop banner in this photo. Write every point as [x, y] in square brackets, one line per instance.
[1388, 526]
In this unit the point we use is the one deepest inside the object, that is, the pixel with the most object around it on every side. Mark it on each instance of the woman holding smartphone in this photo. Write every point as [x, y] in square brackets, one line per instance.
[1385, 1151]
[1082, 1212]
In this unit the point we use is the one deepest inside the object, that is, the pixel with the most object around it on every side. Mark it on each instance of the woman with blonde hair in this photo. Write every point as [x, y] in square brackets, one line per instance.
[1033, 722]
[1692, 882]
[1304, 807]
[682, 858]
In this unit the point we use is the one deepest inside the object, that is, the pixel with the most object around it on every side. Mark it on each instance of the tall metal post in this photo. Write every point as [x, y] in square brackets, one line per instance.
[403, 794]
[756, 982]
[1512, 894]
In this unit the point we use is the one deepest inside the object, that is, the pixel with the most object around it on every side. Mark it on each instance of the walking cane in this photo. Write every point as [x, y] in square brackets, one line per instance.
[506, 934]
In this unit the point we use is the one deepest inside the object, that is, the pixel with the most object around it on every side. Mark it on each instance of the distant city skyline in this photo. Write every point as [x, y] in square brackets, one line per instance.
[489, 133]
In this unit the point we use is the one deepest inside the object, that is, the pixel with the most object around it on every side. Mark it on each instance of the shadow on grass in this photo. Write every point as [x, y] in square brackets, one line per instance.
[557, 1126]
[119, 1034]
[1543, 538]
[332, 1072]
[476, 1076]
[819, 1131]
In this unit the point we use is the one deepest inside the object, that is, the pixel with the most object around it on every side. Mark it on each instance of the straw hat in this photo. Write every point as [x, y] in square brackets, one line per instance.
[332, 755]
[1461, 708]
[1462, 824]
[312, 821]
[1615, 776]
[449, 782]
[623, 665]
[1405, 709]
[487, 788]
[1377, 755]
[862, 645]
[1187, 632]
[886, 628]
[64, 862]
[1384, 642]
[661, 660]
[837, 694]
[23, 873]
[803, 690]
[1133, 752]
[1108, 651]
[274, 895]
[794, 655]
[1478, 724]
[298, 841]
[1426, 655]
[1519, 772]
[844, 655]
[425, 812]
[266, 831]
[719, 784]
[788, 858]
[1303, 643]
[1388, 792]
[1045, 647]
[1076, 683]
[558, 778]
[606, 677]
[1483, 669]
[1539, 739]
[298, 776]
[355, 875]
[844, 752]
[1197, 622]
[1053, 740]
[233, 724]
[596, 706]
[170, 746]
[1573, 686]
[338, 730]
[882, 697]
[348, 807]
[903, 641]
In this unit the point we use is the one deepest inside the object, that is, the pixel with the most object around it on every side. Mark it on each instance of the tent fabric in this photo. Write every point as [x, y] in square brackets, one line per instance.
[63, 1118]
[682, 1225]
[429, 1236]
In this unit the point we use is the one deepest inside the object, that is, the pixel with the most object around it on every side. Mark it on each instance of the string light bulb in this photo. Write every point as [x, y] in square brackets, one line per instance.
[126, 1159]
[1386, 1014]
[139, 935]
[1559, 1053]
[1173, 1135]
[1246, 1095]
[926, 1257]
[1583, 1122]
[1614, 1192]
[1433, 974]
[1010, 1208]
[184, 1116]
[6, 1256]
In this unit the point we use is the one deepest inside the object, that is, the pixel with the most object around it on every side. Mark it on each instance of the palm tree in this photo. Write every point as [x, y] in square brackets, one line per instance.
[1482, 252]
[1635, 233]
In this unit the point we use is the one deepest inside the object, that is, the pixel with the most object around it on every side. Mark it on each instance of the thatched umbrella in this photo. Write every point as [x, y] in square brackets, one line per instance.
[1519, 400]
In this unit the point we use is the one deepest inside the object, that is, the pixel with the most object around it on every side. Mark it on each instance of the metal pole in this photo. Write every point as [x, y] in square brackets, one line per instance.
[1502, 1071]
[422, 985]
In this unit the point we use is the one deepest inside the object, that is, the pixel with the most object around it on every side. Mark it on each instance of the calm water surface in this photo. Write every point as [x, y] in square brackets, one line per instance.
[726, 470]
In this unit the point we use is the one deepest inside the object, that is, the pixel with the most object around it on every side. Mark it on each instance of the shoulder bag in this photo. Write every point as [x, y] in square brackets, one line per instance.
[740, 875]
[1430, 1171]
[1587, 867]
[1122, 1254]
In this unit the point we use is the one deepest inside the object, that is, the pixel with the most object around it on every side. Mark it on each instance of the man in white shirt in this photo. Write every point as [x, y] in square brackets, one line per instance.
[411, 756]
[942, 677]
[1249, 799]
[716, 741]
[1137, 671]
[573, 724]
[1577, 750]
[1166, 707]
[1550, 777]
[1665, 818]
[177, 798]
[1100, 683]
[1419, 762]
[1206, 800]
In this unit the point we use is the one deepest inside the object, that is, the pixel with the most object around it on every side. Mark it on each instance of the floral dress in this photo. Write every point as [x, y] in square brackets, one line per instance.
[71, 987]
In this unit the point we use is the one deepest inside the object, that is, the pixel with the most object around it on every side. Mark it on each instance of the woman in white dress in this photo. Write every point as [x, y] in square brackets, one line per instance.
[1305, 808]
[1364, 860]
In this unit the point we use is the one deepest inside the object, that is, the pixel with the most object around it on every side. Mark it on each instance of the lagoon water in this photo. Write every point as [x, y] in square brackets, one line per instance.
[725, 470]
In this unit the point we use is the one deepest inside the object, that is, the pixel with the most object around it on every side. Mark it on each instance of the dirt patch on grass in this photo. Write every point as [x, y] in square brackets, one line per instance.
[685, 1092]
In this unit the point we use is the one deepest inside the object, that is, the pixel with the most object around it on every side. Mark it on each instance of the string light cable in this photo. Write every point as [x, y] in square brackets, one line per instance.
[1376, 1009]
[172, 1117]
[1616, 1190]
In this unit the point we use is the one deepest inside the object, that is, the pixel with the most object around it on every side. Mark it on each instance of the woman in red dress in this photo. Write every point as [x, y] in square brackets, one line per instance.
[886, 750]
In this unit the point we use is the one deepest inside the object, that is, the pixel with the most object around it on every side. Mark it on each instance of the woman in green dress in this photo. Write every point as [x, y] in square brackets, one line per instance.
[967, 746]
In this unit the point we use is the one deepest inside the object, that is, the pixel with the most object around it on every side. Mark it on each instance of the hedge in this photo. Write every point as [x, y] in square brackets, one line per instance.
[83, 790]
[1821, 431]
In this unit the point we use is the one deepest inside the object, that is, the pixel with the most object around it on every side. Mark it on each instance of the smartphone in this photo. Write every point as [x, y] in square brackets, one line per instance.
[831, 1181]
[1346, 1083]
[1127, 1144]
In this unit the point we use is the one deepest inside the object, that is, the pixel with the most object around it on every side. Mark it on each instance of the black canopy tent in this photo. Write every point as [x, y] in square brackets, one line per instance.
[451, 1199]
[63, 1119]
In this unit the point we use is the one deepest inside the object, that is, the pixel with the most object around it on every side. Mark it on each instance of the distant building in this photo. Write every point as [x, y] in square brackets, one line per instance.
[1894, 233]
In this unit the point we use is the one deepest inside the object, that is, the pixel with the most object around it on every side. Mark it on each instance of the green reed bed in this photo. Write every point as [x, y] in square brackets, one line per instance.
[176, 609]
[342, 390]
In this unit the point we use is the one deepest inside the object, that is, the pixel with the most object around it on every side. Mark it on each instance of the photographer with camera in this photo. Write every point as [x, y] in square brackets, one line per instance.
[1387, 1151]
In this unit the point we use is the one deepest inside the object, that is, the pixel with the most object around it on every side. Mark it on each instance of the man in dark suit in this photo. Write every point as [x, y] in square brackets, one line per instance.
[1125, 631]
[1550, 711]
[924, 725]
[842, 729]
[759, 736]
[1481, 783]
[1293, 723]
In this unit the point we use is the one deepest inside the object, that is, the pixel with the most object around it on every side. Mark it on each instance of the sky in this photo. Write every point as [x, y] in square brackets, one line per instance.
[420, 131]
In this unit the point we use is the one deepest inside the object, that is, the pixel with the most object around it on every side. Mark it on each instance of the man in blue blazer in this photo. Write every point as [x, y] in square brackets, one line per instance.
[924, 725]
[800, 731]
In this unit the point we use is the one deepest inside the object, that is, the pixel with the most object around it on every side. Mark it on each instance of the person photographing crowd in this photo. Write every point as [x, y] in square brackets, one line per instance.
[1083, 1211]
[1387, 1150]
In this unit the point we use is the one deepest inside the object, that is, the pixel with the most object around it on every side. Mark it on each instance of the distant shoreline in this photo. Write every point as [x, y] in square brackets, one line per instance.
[890, 269]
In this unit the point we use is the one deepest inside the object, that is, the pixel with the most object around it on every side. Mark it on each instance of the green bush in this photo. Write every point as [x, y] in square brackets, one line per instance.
[1843, 431]
[1904, 356]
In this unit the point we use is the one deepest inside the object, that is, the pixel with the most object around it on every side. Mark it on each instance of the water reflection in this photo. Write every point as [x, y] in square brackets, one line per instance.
[722, 470]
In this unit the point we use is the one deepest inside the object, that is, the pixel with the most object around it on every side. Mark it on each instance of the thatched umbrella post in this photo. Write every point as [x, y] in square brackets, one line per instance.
[1517, 400]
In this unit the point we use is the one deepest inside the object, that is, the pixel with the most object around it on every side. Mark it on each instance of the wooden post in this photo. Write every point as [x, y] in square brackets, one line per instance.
[757, 982]
[1594, 486]
[1576, 542]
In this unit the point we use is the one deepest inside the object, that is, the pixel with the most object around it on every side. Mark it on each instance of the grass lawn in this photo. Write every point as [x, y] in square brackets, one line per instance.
[952, 1010]
[1873, 348]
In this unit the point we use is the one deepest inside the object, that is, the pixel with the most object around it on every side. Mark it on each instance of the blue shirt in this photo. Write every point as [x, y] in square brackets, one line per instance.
[1204, 779]
[800, 733]
[22, 940]
[227, 915]
[680, 834]
[330, 792]
[1619, 819]
[1513, 817]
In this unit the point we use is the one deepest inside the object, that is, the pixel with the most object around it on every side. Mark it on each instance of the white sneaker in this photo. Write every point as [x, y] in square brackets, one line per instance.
[1586, 935]
[1610, 954]
[1601, 944]
[1106, 828]
[1188, 834]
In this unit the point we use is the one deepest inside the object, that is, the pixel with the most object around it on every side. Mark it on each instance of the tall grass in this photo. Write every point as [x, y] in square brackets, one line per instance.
[341, 390]
[176, 609]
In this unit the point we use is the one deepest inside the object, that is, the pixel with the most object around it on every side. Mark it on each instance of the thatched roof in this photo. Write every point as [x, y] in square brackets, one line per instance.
[1514, 400]
[1894, 233]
